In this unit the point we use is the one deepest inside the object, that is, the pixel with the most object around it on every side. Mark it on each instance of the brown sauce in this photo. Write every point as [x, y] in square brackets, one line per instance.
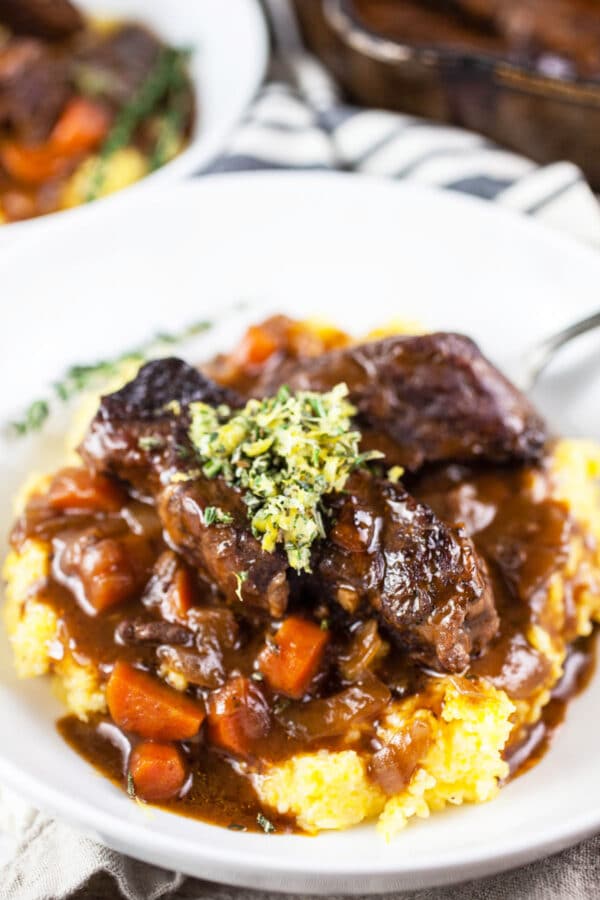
[522, 538]
[579, 667]
[215, 793]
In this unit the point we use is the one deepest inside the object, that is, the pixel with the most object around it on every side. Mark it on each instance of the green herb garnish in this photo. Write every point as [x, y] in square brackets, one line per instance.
[324, 624]
[285, 453]
[235, 826]
[164, 77]
[172, 123]
[265, 824]
[214, 515]
[84, 377]
[35, 416]
[150, 442]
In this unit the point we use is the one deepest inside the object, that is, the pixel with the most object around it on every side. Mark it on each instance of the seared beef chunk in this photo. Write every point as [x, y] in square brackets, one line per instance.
[140, 435]
[423, 577]
[121, 62]
[137, 433]
[228, 554]
[48, 19]
[34, 88]
[425, 399]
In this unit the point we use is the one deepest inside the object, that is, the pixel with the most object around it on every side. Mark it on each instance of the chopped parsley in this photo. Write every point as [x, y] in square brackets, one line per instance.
[265, 824]
[324, 624]
[214, 515]
[285, 453]
[235, 826]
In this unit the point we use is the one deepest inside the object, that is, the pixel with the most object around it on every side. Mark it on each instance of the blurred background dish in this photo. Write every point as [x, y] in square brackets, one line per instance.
[525, 74]
[94, 98]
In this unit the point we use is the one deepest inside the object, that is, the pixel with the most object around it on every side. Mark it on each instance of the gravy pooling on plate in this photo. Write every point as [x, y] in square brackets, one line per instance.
[314, 582]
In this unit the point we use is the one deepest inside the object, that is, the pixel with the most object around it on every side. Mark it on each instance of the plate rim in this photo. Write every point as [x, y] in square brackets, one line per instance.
[247, 866]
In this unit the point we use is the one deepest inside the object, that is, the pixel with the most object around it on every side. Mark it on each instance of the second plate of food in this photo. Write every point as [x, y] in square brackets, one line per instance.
[321, 611]
[98, 97]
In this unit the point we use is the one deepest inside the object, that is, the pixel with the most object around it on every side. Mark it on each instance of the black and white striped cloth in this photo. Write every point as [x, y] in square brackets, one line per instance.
[283, 130]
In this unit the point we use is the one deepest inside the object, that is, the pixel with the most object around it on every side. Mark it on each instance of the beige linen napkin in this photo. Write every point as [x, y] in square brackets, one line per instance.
[53, 861]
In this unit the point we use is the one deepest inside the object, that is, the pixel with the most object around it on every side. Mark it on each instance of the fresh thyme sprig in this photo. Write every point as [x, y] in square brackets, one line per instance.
[168, 75]
[83, 377]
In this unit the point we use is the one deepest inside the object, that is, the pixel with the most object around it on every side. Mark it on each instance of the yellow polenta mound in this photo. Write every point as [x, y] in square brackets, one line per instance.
[469, 724]
[123, 168]
[323, 790]
[33, 629]
[469, 721]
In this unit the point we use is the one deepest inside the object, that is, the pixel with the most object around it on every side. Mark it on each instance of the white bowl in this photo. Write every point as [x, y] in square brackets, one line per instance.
[228, 64]
[358, 251]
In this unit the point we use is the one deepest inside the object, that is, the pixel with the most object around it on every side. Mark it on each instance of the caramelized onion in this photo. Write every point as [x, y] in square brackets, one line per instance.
[203, 669]
[365, 649]
[337, 714]
[393, 766]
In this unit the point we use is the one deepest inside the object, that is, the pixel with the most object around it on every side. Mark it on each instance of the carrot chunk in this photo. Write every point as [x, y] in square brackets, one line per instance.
[237, 716]
[158, 771]
[292, 658]
[112, 570]
[180, 596]
[33, 164]
[140, 703]
[257, 345]
[81, 128]
[77, 489]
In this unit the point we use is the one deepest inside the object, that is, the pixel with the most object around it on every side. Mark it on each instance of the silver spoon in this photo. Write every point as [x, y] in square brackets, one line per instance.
[538, 357]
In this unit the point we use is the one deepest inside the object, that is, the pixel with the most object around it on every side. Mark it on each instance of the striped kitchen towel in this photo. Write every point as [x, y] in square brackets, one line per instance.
[288, 128]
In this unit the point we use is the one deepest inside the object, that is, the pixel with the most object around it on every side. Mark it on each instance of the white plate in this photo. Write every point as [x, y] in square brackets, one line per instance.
[229, 58]
[360, 252]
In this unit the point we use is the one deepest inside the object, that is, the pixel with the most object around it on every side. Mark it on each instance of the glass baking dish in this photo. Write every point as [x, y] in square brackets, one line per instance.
[543, 116]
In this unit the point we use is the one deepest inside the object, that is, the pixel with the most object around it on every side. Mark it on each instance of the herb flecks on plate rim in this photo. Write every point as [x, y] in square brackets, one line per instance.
[85, 376]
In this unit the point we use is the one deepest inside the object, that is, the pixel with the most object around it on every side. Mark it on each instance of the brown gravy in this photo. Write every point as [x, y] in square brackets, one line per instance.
[523, 540]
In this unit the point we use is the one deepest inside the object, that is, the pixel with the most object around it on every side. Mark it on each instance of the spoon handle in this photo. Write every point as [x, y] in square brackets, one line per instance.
[540, 356]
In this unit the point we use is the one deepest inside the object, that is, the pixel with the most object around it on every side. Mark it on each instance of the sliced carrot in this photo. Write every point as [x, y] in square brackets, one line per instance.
[112, 570]
[77, 489]
[257, 345]
[292, 658]
[180, 596]
[158, 771]
[237, 716]
[33, 165]
[141, 703]
[81, 128]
